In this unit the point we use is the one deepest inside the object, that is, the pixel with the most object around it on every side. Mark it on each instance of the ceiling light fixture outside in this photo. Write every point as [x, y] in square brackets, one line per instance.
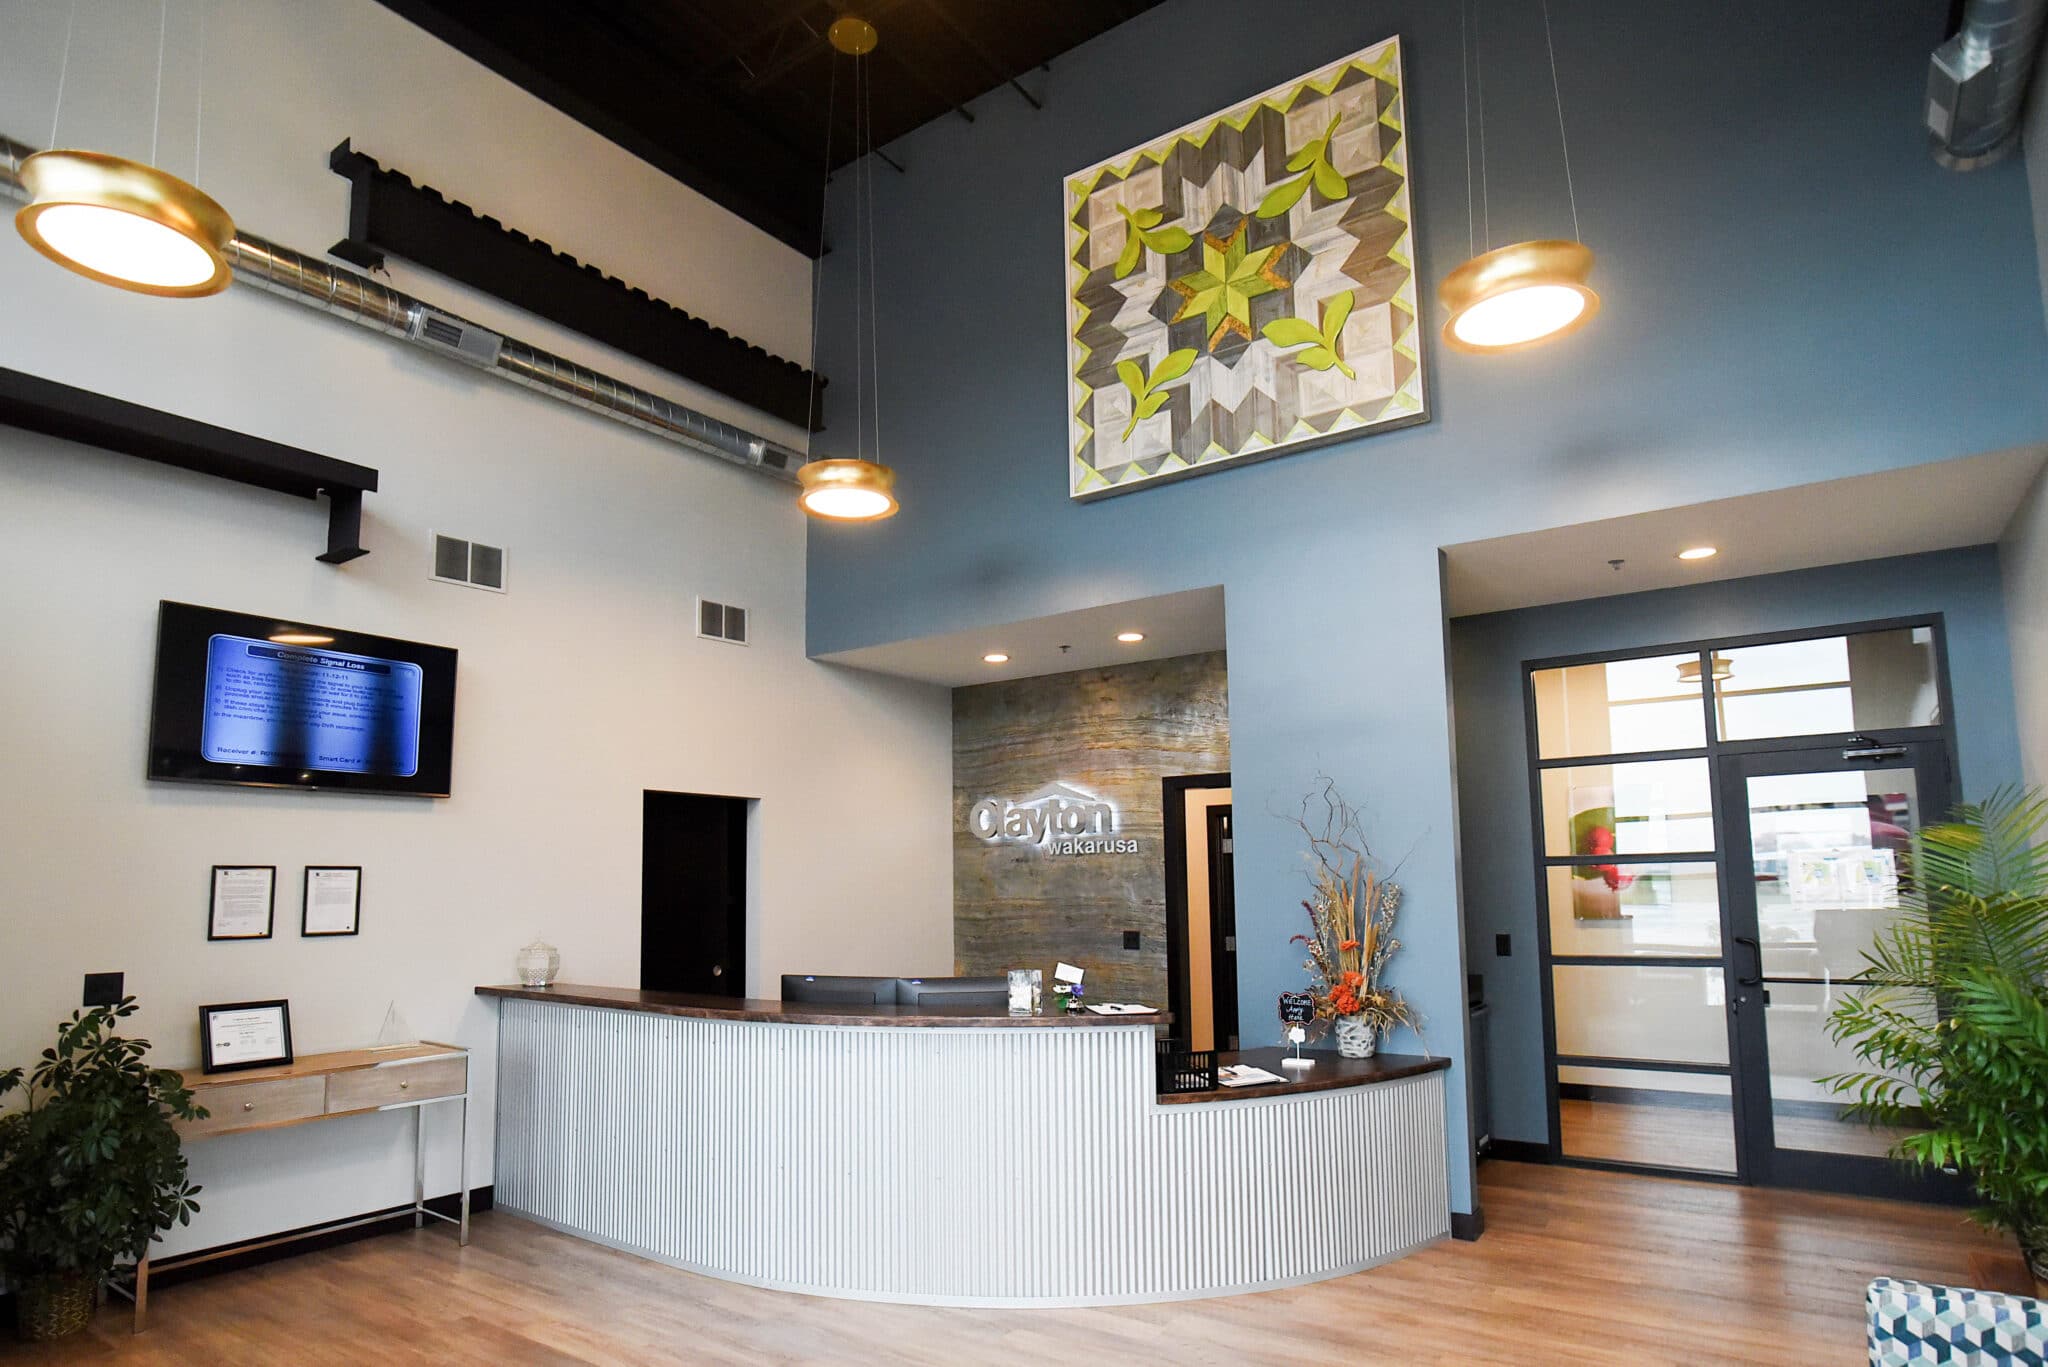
[125, 224]
[1699, 553]
[1689, 670]
[1130, 638]
[995, 657]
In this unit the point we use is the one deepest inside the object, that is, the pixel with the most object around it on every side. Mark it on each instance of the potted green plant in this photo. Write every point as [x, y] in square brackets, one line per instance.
[1953, 1020]
[90, 1168]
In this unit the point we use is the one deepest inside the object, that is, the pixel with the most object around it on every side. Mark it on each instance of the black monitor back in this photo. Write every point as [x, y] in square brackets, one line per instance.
[819, 988]
[972, 992]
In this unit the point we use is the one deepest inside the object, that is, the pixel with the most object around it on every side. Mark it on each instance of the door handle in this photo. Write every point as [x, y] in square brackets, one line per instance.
[1755, 979]
[718, 970]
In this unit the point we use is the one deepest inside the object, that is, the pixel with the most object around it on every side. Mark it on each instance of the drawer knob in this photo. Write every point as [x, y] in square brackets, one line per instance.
[403, 1085]
[248, 1105]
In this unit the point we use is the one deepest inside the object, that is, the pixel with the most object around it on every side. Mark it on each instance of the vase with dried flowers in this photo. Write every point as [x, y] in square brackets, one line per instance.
[1351, 928]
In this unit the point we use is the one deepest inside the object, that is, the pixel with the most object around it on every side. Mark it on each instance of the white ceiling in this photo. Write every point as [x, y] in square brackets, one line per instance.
[1174, 624]
[1933, 507]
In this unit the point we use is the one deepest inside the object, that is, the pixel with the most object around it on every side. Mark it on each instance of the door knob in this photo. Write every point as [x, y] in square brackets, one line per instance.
[718, 970]
[248, 1105]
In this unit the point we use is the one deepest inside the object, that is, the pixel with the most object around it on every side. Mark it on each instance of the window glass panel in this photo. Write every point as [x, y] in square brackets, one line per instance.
[1662, 909]
[1871, 681]
[1649, 1012]
[1618, 707]
[1826, 849]
[1630, 1115]
[1660, 807]
[1804, 1114]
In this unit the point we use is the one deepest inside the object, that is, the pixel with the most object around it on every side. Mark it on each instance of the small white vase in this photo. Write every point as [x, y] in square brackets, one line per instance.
[1356, 1038]
[538, 963]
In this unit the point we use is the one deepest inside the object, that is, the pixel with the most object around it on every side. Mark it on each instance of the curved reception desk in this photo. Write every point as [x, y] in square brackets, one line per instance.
[949, 1157]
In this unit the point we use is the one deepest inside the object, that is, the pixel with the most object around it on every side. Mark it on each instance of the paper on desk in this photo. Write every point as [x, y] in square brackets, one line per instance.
[1244, 1075]
[1121, 1009]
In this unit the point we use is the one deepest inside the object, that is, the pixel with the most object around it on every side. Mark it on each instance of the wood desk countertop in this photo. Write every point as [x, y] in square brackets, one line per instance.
[1332, 1070]
[800, 1013]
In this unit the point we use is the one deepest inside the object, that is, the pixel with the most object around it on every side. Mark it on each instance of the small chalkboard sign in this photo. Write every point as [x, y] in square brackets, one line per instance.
[1297, 1008]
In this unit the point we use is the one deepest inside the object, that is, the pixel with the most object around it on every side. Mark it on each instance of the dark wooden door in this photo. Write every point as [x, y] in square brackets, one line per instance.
[693, 894]
[1222, 928]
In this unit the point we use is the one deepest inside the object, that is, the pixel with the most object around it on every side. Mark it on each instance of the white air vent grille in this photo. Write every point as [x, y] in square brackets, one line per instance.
[453, 337]
[721, 622]
[457, 561]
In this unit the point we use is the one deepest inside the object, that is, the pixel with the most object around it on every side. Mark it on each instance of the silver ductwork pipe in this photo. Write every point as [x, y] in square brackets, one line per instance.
[1977, 81]
[358, 299]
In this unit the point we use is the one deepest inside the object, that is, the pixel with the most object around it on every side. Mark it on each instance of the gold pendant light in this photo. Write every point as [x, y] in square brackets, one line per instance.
[852, 488]
[125, 224]
[1528, 292]
[1723, 670]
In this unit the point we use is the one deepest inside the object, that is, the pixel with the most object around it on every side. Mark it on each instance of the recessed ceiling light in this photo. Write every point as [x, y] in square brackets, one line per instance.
[1130, 638]
[995, 657]
[1699, 552]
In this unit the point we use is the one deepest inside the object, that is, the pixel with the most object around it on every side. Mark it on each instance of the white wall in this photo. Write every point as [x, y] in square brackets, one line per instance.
[2023, 565]
[578, 689]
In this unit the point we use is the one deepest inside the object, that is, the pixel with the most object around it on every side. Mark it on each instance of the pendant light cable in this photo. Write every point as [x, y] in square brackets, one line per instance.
[860, 364]
[818, 268]
[1479, 82]
[1563, 142]
[874, 270]
[63, 69]
[199, 96]
[1465, 74]
[156, 116]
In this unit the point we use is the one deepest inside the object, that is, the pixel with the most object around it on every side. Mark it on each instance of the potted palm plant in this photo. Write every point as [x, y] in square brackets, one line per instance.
[1953, 1019]
[90, 1168]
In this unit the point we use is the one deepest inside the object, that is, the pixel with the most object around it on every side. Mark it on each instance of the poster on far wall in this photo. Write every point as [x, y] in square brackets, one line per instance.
[1245, 285]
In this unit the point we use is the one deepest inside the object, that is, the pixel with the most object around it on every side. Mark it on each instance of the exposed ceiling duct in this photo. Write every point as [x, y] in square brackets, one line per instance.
[355, 297]
[1977, 81]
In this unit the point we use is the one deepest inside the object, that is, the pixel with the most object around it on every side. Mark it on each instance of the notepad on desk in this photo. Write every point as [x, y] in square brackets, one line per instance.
[1121, 1009]
[1244, 1075]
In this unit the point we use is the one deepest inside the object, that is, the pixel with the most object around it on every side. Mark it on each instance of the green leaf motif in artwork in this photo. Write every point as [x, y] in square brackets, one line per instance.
[1148, 396]
[1142, 230]
[1313, 163]
[1322, 346]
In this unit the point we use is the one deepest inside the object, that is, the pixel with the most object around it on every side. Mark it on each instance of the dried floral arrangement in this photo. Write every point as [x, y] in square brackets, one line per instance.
[1351, 917]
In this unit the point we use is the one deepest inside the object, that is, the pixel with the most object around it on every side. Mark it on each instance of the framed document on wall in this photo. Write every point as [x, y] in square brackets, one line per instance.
[333, 901]
[243, 902]
[236, 1035]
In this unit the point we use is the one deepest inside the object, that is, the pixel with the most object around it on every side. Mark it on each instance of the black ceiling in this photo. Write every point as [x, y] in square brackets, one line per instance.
[729, 96]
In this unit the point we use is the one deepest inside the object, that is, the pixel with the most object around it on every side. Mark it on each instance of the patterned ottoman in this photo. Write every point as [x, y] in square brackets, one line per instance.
[1911, 1322]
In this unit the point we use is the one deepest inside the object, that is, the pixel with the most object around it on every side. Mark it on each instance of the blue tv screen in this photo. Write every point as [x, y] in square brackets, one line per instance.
[269, 702]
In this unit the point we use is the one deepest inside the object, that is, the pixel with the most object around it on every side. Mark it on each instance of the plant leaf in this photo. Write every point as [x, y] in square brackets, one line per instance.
[1169, 240]
[1128, 260]
[1153, 402]
[1281, 197]
[1317, 357]
[1335, 314]
[1332, 185]
[1146, 218]
[1307, 156]
[1291, 332]
[1176, 364]
[1133, 378]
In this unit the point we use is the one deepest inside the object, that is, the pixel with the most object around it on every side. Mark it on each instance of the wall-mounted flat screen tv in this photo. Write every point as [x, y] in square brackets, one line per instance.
[273, 703]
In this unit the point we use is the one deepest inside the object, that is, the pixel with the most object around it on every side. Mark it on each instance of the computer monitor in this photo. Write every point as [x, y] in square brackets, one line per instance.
[819, 987]
[972, 992]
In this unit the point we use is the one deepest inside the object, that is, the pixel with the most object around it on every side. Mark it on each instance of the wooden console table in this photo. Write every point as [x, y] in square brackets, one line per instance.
[327, 1087]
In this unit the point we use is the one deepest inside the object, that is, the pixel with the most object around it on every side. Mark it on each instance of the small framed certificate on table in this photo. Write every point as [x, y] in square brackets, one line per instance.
[244, 1035]
[334, 900]
[244, 898]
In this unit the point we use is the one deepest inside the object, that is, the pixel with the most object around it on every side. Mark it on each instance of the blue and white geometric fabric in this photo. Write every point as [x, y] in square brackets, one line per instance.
[1911, 1322]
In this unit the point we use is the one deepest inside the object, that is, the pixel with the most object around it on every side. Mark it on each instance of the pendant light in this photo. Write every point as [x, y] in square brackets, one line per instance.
[123, 222]
[1723, 670]
[1529, 292]
[852, 488]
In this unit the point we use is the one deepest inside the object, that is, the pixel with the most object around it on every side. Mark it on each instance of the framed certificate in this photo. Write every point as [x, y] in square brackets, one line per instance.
[334, 900]
[244, 1035]
[243, 902]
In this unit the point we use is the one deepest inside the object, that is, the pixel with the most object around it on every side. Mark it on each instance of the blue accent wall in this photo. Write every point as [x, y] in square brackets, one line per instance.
[1793, 292]
[1487, 655]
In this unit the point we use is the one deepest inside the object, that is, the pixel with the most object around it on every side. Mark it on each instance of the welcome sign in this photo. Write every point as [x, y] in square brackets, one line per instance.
[1058, 819]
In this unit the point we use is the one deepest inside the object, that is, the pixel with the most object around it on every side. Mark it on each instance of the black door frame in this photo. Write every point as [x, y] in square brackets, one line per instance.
[1223, 926]
[1173, 810]
[739, 811]
[1749, 985]
[1714, 751]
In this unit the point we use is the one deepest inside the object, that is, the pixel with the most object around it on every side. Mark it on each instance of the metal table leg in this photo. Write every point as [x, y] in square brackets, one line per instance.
[419, 1167]
[462, 1169]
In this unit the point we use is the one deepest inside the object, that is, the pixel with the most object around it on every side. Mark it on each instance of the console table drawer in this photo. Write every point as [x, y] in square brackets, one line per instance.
[363, 1088]
[248, 1105]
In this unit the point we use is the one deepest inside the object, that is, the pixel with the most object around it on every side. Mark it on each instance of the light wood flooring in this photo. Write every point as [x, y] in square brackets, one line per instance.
[1698, 1138]
[1575, 1267]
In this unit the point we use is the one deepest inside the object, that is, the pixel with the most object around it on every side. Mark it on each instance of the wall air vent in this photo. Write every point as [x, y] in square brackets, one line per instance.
[721, 622]
[453, 337]
[471, 563]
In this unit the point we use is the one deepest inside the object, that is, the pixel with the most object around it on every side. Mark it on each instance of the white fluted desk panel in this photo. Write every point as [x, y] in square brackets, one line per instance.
[949, 1165]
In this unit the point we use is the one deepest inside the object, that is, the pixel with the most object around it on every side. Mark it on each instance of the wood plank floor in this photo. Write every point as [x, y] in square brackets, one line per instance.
[1576, 1266]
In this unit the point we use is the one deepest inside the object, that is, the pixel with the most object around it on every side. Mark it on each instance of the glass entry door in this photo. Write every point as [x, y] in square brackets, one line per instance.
[1815, 845]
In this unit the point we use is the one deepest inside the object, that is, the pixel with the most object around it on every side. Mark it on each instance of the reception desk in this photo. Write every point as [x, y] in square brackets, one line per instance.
[948, 1156]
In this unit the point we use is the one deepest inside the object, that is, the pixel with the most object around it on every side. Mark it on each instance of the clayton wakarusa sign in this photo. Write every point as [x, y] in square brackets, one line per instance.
[1058, 818]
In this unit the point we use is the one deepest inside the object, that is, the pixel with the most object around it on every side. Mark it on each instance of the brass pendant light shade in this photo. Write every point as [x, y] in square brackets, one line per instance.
[1519, 295]
[1723, 670]
[125, 224]
[847, 490]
